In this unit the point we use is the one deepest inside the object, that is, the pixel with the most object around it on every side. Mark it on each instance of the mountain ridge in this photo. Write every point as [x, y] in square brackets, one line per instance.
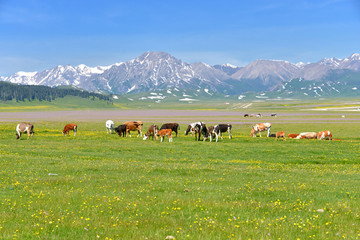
[160, 70]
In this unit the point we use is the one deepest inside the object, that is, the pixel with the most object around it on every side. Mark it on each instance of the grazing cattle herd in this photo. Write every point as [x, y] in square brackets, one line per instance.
[197, 128]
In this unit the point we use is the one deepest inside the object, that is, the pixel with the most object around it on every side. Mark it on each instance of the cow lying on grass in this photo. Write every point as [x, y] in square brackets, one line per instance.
[307, 135]
[292, 135]
[324, 135]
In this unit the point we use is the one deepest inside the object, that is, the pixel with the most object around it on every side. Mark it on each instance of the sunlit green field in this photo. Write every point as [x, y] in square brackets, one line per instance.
[100, 186]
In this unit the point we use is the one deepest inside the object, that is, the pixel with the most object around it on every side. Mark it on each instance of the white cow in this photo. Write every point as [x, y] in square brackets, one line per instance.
[109, 126]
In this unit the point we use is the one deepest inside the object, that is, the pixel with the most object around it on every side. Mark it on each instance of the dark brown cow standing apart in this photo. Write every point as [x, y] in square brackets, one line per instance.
[152, 131]
[132, 126]
[24, 127]
[68, 127]
[173, 126]
[121, 130]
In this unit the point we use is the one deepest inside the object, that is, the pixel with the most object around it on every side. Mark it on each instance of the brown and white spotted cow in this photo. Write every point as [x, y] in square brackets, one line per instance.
[260, 127]
[70, 127]
[324, 135]
[307, 135]
[152, 131]
[281, 135]
[163, 132]
[132, 126]
[24, 127]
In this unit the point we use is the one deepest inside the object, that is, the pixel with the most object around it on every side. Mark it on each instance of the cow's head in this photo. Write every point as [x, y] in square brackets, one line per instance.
[17, 135]
[188, 130]
[145, 137]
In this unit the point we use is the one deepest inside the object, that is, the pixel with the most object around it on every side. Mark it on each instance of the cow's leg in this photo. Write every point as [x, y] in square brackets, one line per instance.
[260, 133]
[268, 135]
[170, 138]
[229, 131]
[176, 132]
[217, 137]
[28, 133]
[162, 138]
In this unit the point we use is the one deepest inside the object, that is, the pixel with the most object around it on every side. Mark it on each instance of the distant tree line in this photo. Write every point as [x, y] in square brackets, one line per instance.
[10, 91]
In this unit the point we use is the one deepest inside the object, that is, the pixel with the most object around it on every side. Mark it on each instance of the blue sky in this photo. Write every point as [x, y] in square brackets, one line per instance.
[36, 35]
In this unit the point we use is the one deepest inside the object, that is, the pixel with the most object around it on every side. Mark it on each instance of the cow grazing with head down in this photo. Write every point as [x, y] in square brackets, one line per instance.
[292, 135]
[109, 126]
[24, 127]
[165, 132]
[133, 126]
[152, 131]
[70, 127]
[307, 135]
[324, 135]
[220, 128]
[199, 128]
[260, 127]
[173, 126]
[281, 135]
[121, 130]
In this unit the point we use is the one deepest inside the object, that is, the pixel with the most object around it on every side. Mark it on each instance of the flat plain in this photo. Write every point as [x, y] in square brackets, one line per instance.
[100, 186]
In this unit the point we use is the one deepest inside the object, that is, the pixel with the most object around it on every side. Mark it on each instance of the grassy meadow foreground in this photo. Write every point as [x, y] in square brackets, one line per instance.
[100, 186]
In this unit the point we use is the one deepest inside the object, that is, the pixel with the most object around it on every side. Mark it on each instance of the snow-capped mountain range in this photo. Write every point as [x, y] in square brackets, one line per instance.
[159, 70]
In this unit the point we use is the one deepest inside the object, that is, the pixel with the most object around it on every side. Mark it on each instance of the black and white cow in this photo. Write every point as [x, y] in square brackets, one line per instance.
[221, 128]
[199, 128]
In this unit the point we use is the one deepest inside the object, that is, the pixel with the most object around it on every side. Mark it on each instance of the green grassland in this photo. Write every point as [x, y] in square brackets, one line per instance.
[100, 186]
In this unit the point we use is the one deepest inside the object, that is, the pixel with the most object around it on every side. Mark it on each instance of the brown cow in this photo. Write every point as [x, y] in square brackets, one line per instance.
[68, 127]
[132, 126]
[173, 126]
[121, 130]
[280, 134]
[24, 127]
[164, 132]
[324, 135]
[152, 131]
[307, 135]
[292, 135]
